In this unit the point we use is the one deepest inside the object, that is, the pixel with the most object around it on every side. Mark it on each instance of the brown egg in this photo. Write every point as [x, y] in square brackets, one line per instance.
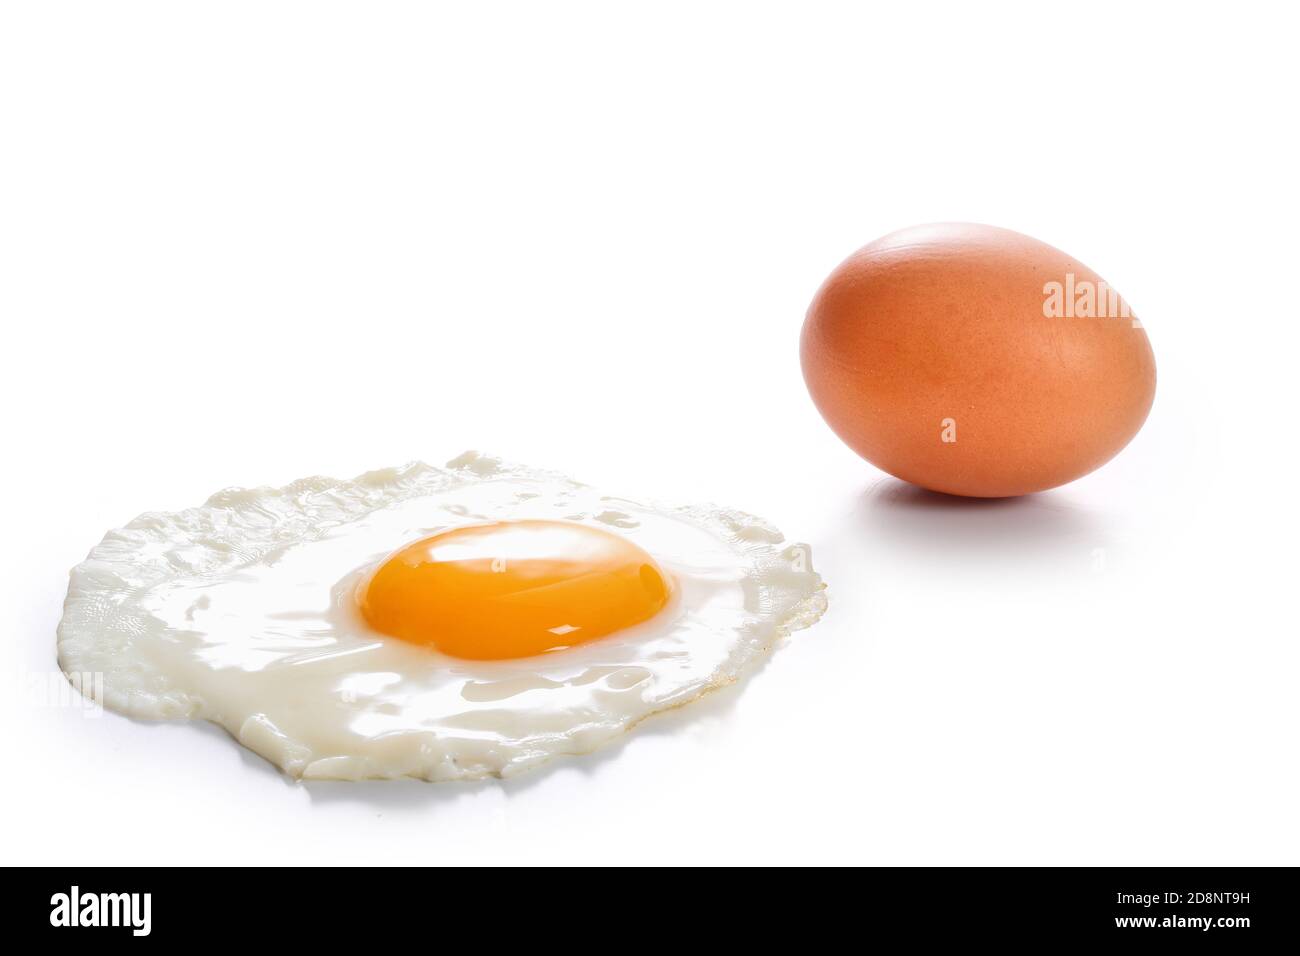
[976, 361]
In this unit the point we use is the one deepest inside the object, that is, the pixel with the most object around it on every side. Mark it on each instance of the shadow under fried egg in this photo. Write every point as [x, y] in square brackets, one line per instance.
[408, 793]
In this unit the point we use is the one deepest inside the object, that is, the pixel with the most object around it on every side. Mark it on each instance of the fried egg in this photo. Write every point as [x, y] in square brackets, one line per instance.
[440, 623]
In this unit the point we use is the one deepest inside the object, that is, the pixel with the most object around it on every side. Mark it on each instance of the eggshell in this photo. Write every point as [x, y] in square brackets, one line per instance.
[976, 361]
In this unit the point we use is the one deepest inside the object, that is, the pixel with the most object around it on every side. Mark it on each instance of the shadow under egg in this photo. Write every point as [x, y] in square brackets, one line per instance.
[894, 520]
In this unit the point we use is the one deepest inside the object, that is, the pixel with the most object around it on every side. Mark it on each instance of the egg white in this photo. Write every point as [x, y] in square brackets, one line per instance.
[241, 612]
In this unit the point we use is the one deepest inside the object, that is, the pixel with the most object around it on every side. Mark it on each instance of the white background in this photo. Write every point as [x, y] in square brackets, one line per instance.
[241, 243]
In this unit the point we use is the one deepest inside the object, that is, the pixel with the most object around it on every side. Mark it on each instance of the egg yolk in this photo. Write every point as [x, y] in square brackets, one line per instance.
[513, 589]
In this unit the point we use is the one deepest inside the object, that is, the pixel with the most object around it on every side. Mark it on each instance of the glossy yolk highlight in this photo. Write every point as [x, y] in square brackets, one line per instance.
[513, 589]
